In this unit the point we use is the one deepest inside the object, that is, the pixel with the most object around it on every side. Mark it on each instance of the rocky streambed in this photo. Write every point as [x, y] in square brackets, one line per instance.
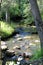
[27, 43]
[23, 42]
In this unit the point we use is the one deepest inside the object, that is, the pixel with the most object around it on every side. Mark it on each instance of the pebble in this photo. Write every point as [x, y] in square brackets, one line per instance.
[37, 41]
[3, 47]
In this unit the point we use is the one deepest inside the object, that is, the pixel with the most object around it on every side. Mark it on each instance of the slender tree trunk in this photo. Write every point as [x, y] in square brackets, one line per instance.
[38, 21]
[7, 17]
[7, 13]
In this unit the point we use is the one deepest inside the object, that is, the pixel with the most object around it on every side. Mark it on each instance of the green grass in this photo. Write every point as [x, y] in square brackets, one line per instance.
[5, 29]
[37, 55]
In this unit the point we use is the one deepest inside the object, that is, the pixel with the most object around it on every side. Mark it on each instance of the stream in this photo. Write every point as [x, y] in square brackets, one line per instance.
[25, 40]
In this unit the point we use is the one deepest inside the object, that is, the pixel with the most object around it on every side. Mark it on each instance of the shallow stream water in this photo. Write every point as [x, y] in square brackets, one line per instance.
[28, 42]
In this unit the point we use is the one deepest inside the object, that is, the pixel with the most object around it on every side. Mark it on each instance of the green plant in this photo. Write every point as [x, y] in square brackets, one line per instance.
[37, 55]
[5, 29]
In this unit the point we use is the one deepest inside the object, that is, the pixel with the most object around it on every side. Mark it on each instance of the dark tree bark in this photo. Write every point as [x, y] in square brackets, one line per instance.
[38, 21]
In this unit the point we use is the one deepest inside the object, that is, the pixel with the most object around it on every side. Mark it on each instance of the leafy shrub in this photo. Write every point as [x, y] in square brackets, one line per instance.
[5, 29]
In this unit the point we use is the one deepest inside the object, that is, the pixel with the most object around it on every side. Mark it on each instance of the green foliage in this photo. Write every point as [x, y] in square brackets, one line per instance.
[37, 55]
[6, 29]
[40, 3]
[20, 7]
[14, 9]
[17, 8]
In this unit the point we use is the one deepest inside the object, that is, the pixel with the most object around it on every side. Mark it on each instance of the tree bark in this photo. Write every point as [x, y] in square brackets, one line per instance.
[7, 16]
[38, 21]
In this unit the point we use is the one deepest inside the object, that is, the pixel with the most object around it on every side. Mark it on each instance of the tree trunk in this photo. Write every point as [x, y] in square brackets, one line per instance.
[38, 21]
[7, 16]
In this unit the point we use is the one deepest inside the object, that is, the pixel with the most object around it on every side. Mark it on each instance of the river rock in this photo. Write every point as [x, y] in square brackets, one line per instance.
[4, 47]
[16, 47]
[19, 39]
[37, 41]
[28, 53]
[10, 53]
[3, 43]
